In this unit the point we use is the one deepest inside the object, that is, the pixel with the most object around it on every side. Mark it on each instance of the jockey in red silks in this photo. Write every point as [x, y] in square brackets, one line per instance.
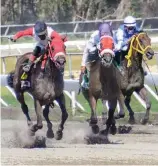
[42, 34]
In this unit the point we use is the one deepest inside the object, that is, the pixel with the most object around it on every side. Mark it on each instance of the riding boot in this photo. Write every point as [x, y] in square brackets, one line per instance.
[27, 67]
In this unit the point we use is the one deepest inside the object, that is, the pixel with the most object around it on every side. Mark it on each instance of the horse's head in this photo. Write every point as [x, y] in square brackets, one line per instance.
[106, 50]
[57, 52]
[142, 44]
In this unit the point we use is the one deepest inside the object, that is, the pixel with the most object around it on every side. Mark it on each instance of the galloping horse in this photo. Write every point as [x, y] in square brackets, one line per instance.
[44, 90]
[104, 83]
[133, 77]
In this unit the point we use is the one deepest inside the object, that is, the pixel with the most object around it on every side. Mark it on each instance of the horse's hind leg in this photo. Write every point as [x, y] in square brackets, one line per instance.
[20, 98]
[38, 110]
[131, 113]
[50, 133]
[121, 112]
[64, 116]
[93, 120]
[143, 94]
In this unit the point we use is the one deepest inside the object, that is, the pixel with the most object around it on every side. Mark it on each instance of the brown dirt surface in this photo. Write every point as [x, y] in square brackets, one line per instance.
[139, 147]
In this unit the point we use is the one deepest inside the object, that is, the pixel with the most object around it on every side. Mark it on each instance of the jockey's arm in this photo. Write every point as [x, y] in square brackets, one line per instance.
[27, 32]
[119, 38]
[90, 47]
[55, 34]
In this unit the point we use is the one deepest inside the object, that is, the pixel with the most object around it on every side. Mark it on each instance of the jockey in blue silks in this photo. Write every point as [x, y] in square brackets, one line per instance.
[123, 34]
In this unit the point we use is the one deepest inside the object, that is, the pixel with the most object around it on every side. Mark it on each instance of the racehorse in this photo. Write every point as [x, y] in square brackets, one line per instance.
[104, 83]
[132, 78]
[44, 90]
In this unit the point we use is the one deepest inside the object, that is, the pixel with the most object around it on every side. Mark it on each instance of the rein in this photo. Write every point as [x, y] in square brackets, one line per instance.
[138, 48]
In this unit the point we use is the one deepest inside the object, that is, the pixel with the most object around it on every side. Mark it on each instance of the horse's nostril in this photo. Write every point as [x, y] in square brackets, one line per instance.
[149, 55]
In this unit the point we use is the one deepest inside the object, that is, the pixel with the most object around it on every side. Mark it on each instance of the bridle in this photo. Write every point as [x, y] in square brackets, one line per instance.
[138, 48]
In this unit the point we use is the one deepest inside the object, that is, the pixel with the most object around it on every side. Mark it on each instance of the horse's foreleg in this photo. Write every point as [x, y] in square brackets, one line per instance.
[38, 110]
[144, 95]
[131, 113]
[121, 112]
[110, 123]
[50, 133]
[104, 112]
[93, 120]
[20, 98]
[64, 116]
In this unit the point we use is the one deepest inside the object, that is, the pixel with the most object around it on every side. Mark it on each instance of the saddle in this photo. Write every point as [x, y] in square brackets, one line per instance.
[26, 76]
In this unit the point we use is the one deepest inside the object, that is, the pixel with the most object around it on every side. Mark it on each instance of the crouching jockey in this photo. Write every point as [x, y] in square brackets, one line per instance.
[91, 51]
[122, 38]
[42, 34]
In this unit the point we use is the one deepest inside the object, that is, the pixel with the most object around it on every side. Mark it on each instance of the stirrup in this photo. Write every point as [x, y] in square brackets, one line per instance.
[25, 84]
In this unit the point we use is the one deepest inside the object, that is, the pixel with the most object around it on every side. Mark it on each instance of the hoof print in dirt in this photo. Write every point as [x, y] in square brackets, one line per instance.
[97, 139]
[124, 129]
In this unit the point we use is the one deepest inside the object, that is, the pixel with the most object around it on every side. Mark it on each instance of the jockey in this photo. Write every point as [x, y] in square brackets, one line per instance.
[91, 50]
[93, 43]
[123, 34]
[42, 34]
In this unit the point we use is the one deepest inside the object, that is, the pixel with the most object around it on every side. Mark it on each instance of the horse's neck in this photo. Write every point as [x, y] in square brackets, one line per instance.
[137, 60]
[51, 69]
[107, 71]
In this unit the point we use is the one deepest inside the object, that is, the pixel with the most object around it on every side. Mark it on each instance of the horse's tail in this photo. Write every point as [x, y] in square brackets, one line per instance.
[10, 79]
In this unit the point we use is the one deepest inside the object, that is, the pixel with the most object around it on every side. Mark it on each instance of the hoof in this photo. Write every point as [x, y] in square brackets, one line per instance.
[29, 123]
[95, 129]
[113, 130]
[119, 116]
[31, 133]
[103, 132]
[144, 121]
[131, 120]
[59, 135]
[50, 134]
[35, 127]
[93, 121]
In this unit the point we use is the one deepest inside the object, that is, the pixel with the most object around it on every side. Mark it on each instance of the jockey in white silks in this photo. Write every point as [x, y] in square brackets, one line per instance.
[123, 35]
[93, 43]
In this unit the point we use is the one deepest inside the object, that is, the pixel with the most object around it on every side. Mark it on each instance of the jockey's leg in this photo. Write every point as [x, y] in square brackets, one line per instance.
[32, 58]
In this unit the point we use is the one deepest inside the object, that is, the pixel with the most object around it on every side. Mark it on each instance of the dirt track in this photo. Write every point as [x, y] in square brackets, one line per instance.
[139, 147]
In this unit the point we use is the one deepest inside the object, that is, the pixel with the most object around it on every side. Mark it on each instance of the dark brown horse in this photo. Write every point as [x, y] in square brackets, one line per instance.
[104, 83]
[44, 90]
[133, 76]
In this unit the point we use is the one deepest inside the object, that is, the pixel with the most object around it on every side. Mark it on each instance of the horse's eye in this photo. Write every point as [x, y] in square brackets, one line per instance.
[52, 48]
[141, 41]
